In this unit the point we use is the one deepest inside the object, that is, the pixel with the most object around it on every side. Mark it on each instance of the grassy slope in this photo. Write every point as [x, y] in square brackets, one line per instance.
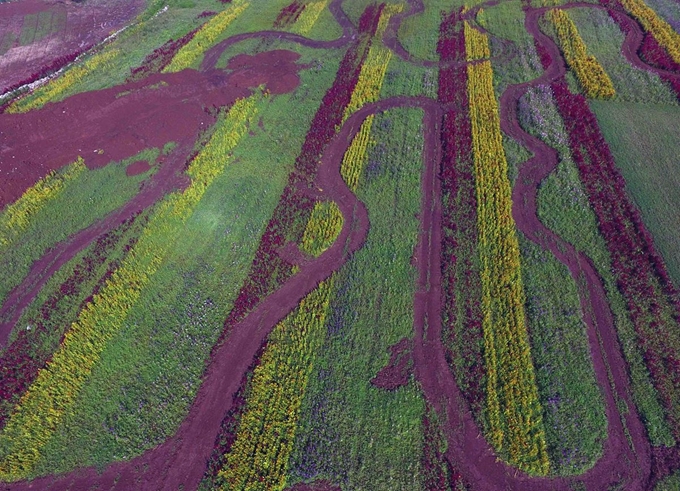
[645, 147]
[149, 373]
[573, 408]
[350, 431]
[563, 207]
[89, 197]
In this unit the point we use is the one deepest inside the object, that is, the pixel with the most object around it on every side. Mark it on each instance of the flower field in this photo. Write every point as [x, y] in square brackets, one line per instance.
[341, 245]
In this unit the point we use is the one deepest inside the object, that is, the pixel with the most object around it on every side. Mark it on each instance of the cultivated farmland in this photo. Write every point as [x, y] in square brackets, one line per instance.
[334, 245]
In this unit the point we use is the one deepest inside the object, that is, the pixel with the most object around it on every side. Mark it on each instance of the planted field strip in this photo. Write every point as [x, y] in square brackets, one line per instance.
[640, 273]
[57, 86]
[22, 360]
[289, 14]
[161, 57]
[57, 386]
[308, 17]
[513, 410]
[590, 74]
[461, 284]
[16, 216]
[259, 459]
[656, 26]
[205, 37]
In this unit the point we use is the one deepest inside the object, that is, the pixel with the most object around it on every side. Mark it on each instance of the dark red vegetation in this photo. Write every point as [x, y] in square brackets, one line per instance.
[161, 57]
[438, 473]
[639, 270]
[289, 14]
[206, 13]
[649, 51]
[397, 372]
[35, 344]
[461, 285]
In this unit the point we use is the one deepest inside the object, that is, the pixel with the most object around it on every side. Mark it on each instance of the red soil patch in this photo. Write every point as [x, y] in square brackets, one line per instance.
[112, 124]
[398, 370]
[135, 168]
[86, 24]
[275, 68]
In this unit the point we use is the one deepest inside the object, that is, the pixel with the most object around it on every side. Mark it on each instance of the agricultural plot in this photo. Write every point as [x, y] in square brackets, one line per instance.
[340, 245]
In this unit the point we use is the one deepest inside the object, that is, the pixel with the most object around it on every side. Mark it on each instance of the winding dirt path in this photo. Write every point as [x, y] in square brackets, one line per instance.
[180, 461]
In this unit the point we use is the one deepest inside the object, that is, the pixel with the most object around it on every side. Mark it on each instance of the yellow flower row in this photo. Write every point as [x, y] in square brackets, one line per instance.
[308, 17]
[590, 74]
[205, 37]
[17, 215]
[323, 227]
[513, 410]
[57, 386]
[259, 457]
[656, 26]
[57, 86]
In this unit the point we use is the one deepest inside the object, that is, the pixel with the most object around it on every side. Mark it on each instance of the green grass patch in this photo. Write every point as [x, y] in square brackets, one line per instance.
[645, 148]
[351, 432]
[573, 407]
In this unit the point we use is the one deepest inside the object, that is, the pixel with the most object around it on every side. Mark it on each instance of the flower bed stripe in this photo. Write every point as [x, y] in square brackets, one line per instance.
[323, 227]
[57, 86]
[308, 17]
[461, 284]
[205, 37]
[57, 386]
[289, 14]
[590, 74]
[655, 25]
[513, 410]
[16, 216]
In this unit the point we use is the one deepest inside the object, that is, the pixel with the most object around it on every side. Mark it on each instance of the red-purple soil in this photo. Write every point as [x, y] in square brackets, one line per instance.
[86, 24]
[627, 457]
[136, 168]
[130, 118]
[397, 372]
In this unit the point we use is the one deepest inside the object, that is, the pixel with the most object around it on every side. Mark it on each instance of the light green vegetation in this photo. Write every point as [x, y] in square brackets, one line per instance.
[516, 155]
[149, 373]
[563, 207]
[573, 408]
[604, 39]
[403, 78]
[644, 146]
[351, 432]
[87, 198]
[517, 62]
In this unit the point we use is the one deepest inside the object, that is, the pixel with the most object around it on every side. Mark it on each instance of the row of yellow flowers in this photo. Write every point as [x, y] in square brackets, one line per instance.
[258, 459]
[590, 74]
[52, 395]
[17, 215]
[656, 26]
[513, 411]
[366, 91]
[205, 37]
[53, 89]
[308, 17]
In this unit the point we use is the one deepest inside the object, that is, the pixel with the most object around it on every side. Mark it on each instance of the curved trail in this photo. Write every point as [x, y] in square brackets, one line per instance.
[180, 461]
